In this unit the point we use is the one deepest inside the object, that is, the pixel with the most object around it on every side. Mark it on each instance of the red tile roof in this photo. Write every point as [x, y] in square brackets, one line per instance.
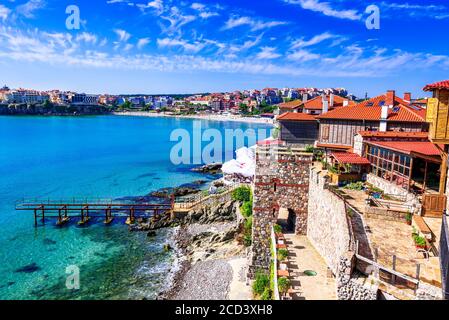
[333, 146]
[394, 134]
[437, 85]
[409, 147]
[295, 116]
[317, 103]
[351, 158]
[420, 101]
[371, 110]
[290, 105]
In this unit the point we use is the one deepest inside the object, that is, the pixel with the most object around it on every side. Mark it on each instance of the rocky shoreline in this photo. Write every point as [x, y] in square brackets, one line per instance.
[204, 244]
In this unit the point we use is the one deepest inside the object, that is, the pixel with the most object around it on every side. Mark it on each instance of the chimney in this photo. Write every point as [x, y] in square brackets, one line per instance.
[305, 97]
[325, 104]
[390, 98]
[408, 97]
[384, 112]
[345, 103]
[331, 100]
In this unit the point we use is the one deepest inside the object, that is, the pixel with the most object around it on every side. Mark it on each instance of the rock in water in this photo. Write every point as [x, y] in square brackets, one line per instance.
[33, 267]
[212, 168]
[167, 247]
[151, 234]
[177, 192]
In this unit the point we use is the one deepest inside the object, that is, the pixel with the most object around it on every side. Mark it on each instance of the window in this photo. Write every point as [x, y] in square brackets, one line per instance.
[325, 132]
[390, 165]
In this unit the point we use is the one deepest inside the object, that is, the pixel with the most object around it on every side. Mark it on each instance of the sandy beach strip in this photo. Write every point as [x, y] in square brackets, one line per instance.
[209, 117]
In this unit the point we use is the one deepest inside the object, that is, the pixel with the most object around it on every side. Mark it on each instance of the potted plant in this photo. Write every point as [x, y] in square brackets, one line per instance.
[408, 218]
[277, 229]
[282, 254]
[283, 285]
[420, 242]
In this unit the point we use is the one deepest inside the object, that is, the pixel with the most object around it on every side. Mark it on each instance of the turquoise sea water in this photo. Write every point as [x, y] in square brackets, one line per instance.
[99, 157]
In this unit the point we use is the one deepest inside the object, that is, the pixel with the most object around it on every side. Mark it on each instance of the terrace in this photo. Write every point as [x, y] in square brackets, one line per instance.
[387, 229]
[387, 239]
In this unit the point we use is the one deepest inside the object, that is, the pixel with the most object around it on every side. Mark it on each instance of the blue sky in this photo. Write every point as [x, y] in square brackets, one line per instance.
[167, 46]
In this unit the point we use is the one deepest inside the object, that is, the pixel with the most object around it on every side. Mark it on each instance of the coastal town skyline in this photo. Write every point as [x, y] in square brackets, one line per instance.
[160, 46]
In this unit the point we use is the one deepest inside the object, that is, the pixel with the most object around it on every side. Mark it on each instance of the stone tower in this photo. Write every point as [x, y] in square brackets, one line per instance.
[281, 181]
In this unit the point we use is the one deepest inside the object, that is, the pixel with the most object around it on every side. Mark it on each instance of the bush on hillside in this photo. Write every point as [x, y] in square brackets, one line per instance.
[241, 194]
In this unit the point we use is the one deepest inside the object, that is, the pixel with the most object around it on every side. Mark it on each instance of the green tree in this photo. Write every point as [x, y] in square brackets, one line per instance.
[47, 105]
[126, 105]
[243, 108]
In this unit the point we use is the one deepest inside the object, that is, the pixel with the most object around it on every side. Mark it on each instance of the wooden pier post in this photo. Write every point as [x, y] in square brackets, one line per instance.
[59, 216]
[43, 214]
[35, 217]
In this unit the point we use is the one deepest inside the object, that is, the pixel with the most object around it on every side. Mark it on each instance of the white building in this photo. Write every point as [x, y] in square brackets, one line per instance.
[26, 96]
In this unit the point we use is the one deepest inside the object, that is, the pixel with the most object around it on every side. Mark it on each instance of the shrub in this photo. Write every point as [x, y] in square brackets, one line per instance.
[277, 228]
[355, 186]
[266, 295]
[242, 194]
[247, 209]
[261, 283]
[247, 240]
[283, 285]
[408, 217]
[309, 149]
[249, 223]
[282, 254]
[247, 235]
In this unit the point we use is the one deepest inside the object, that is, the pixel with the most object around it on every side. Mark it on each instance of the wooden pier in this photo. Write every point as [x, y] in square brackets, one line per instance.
[85, 209]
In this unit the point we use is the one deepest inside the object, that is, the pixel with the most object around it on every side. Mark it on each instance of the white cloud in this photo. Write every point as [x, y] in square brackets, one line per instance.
[268, 53]
[416, 10]
[128, 47]
[176, 21]
[246, 45]
[204, 12]
[326, 9]
[27, 9]
[116, 1]
[255, 25]
[122, 34]
[198, 6]
[301, 43]
[303, 56]
[142, 42]
[87, 37]
[192, 47]
[4, 12]
[62, 49]
[156, 5]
